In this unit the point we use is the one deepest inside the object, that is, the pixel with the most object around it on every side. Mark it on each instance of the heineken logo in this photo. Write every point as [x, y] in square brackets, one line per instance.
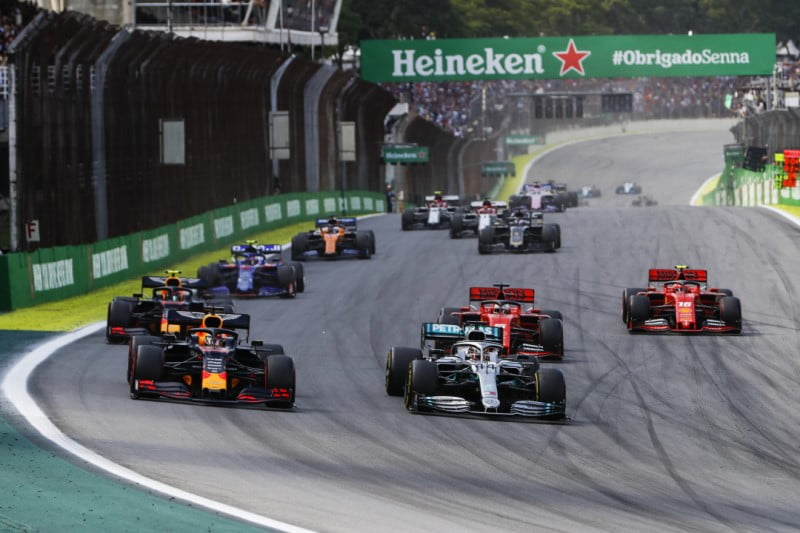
[407, 63]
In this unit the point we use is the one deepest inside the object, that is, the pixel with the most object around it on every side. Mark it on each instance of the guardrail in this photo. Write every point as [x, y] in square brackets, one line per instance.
[55, 273]
[739, 186]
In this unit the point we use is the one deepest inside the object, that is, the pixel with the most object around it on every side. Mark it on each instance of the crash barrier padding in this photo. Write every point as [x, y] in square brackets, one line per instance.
[739, 186]
[50, 274]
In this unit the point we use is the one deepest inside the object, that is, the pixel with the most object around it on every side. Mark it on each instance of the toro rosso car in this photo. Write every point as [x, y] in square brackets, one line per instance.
[470, 376]
[682, 304]
[140, 315]
[482, 215]
[213, 364]
[254, 270]
[333, 238]
[522, 231]
[437, 213]
[526, 331]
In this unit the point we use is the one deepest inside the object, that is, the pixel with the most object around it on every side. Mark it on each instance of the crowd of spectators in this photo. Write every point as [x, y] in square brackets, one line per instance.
[13, 15]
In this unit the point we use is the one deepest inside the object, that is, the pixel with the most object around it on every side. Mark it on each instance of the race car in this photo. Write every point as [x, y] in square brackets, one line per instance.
[254, 270]
[213, 364]
[522, 231]
[643, 201]
[472, 377]
[527, 331]
[140, 315]
[589, 191]
[629, 187]
[333, 238]
[435, 214]
[539, 197]
[682, 304]
[469, 223]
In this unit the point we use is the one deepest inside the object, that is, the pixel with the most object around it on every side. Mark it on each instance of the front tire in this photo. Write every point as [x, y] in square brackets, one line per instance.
[626, 298]
[280, 374]
[551, 388]
[730, 312]
[119, 316]
[397, 361]
[423, 378]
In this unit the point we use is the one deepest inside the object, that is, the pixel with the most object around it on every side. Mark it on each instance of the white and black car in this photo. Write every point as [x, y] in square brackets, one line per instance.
[435, 214]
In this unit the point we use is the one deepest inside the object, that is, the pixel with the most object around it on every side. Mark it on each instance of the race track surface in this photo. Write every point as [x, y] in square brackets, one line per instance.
[669, 433]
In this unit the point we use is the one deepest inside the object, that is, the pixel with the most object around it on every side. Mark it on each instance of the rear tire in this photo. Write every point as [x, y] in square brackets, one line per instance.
[423, 378]
[299, 246]
[446, 316]
[456, 226]
[397, 361]
[553, 313]
[407, 220]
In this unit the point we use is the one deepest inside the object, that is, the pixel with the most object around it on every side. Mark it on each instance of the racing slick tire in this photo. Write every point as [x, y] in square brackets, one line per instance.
[371, 241]
[133, 348]
[730, 312]
[279, 374]
[407, 220]
[456, 226]
[446, 316]
[204, 274]
[267, 350]
[558, 235]
[299, 276]
[119, 316]
[486, 240]
[299, 246]
[638, 309]
[572, 198]
[549, 236]
[551, 387]
[552, 336]
[626, 301]
[423, 378]
[148, 365]
[553, 313]
[286, 280]
[724, 292]
[397, 361]
[364, 245]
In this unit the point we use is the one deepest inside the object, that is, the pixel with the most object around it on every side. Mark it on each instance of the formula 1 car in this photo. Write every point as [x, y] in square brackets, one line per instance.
[212, 364]
[482, 215]
[629, 187]
[435, 214]
[472, 377]
[333, 238]
[522, 231]
[140, 315]
[643, 201]
[589, 191]
[527, 331]
[254, 270]
[683, 304]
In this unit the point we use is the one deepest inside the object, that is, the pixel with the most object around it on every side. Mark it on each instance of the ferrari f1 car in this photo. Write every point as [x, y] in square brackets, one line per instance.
[522, 231]
[472, 377]
[682, 304]
[526, 330]
[482, 215]
[254, 270]
[437, 213]
[629, 187]
[332, 238]
[140, 315]
[212, 364]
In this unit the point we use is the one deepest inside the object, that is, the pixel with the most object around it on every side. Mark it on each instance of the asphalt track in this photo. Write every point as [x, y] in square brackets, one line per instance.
[669, 433]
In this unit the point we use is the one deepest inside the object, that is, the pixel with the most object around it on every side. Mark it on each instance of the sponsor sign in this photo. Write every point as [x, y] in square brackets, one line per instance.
[524, 140]
[293, 208]
[109, 262]
[49, 276]
[329, 205]
[272, 212]
[404, 154]
[155, 248]
[249, 218]
[223, 226]
[607, 56]
[192, 236]
[312, 206]
[498, 168]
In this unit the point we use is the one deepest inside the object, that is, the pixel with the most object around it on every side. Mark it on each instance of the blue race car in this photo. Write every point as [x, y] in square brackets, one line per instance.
[254, 270]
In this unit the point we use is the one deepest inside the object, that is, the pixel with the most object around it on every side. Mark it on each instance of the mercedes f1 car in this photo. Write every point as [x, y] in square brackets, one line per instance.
[333, 238]
[437, 213]
[472, 377]
[254, 270]
[140, 315]
[682, 304]
[629, 187]
[522, 231]
[527, 331]
[212, 364]
[482, 215]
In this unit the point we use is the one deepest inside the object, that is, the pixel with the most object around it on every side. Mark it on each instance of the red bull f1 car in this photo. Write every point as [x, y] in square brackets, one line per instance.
[333, 238]
[681, 304]
[254, 270]
[527, 331]
[213, 364]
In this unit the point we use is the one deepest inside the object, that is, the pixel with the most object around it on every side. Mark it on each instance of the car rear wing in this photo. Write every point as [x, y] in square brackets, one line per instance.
[670, 274]
[496, 204]
[446, 334]
[194, 319]
[347, 222]
[256, 248]
[501, 293]
[151, 282]
[446, 198]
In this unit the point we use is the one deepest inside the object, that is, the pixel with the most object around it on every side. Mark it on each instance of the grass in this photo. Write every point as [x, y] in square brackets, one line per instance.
[71, 313]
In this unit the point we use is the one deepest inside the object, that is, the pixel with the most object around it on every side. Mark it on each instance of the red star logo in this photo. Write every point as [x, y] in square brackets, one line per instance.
[572, 59]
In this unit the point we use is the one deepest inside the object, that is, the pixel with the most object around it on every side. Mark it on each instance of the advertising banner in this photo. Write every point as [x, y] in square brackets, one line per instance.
[614, 56]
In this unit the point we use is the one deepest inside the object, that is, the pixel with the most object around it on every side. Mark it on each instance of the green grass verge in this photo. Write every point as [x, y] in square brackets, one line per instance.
[791, 209]
[71, 313]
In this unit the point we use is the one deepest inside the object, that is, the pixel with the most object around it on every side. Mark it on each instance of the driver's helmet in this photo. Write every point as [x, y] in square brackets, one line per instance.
[437, 196]
[506, 309]
[487, 203]
[474, 353]
[333, 221]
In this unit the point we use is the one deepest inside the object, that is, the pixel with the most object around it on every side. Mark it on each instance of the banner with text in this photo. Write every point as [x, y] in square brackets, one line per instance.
[616, 56]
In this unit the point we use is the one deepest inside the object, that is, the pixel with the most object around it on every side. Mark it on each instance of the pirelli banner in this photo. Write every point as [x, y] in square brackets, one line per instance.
[617, 56]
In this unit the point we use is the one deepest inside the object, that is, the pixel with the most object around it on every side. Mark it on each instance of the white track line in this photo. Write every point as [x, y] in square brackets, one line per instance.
[15, 388]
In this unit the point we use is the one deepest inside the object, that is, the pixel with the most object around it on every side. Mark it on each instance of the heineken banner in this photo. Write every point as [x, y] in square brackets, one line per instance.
[617, 56]
[397, 153]
[524, 140]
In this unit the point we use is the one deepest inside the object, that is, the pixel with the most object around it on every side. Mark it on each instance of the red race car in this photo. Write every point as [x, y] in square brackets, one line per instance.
[527, 331]
[682, 304]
